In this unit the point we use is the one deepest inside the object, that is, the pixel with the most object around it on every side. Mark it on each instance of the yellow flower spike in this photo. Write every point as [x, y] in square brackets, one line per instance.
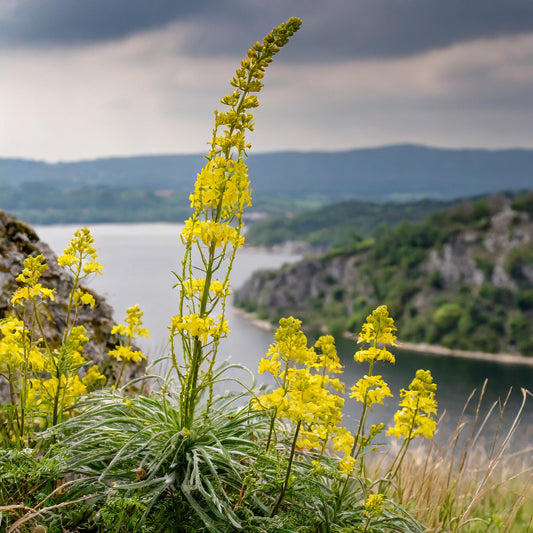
[370, 390]
[379, 329]
[126, 354]
[134, 328]
[221, 192]
[93, 377]
[33, 268]
[78, 251]
[374, 504]
[347, 464]
[327, 357]
[418, 398]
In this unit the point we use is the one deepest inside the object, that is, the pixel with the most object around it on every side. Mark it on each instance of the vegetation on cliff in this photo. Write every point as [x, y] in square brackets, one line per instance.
[463, 278]
[338, 225]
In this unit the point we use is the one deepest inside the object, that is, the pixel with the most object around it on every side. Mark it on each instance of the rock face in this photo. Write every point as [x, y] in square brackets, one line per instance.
[485, 262]
[18, 241]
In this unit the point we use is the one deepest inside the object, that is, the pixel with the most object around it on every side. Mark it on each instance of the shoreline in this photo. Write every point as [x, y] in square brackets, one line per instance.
[429, 349]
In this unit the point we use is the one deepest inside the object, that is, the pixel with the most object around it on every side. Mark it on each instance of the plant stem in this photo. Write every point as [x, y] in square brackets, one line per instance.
[287, 476]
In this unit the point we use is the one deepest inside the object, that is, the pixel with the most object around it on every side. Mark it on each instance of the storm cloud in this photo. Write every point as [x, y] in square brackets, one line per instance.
[335, 29]
[90, 78]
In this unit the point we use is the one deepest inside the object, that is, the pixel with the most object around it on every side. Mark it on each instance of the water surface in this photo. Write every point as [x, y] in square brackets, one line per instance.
[138, 260]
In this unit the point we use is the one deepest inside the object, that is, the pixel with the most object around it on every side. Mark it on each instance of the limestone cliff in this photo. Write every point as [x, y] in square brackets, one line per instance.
[462, 278]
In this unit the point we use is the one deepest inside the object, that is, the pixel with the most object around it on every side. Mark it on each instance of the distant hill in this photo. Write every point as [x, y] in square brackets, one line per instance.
[462, 278]
[384, 173]
[339, 224]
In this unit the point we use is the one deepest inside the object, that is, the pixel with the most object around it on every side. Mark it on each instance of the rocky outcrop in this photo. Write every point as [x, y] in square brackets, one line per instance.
[18, 241]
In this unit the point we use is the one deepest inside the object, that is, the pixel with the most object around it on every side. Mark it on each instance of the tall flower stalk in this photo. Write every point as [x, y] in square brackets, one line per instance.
[213, 233]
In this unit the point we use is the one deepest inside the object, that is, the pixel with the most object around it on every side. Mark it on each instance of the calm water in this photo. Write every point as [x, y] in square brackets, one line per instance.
[138, 260]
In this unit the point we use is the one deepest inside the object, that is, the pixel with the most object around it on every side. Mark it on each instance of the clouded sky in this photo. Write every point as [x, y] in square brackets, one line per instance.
[87, 78]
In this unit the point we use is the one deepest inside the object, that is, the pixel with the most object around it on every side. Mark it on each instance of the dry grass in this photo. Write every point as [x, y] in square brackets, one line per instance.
[470, 481]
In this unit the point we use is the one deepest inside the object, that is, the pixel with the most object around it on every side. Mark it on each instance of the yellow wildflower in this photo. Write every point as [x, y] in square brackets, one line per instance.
[33, 268]
[378, 329]
[126, 354]
[211, 232]
[419, 398]
[327, 357]
[343, 441]
[80, 248]
[347, 464]
[374, 504]
[134, 328]
[93, 377]
[266, 365]
[370, 390]
[85, 298]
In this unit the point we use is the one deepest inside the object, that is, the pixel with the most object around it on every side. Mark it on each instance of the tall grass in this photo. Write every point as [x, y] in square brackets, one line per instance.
[473, 479]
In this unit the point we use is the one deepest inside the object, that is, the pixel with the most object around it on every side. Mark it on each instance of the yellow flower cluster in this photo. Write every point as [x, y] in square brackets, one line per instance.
[126, 354]
[291, 344]
[347, 464]
[44, 375]
[370, 390]
[418, 403]
[134, 327]
[211, 233]
[374, 504]
[378, 330]
[33, 269]
[303, 395]
[327, 354]
[75, 255]
[222, 185]
[15, 345]
[202, 328]
[132, 330]
[196, 286]
[86, 298]
[71, 387]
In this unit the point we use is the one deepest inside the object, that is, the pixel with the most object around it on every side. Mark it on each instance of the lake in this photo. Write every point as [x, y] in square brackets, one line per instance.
[138, 260]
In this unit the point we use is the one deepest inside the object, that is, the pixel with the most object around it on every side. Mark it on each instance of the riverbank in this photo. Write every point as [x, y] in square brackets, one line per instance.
[429, 349]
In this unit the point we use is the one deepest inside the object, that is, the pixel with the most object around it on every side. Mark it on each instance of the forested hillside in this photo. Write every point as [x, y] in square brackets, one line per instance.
[340, 224]
[463, 278]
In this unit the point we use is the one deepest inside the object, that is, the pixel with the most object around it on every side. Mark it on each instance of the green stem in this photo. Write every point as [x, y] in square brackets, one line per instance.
[117, 384]
[71, 300]
[287, 476]
[271, 429]
[56, 398]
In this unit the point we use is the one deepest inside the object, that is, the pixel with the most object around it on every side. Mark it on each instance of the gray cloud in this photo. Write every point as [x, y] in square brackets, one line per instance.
[333, 29]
